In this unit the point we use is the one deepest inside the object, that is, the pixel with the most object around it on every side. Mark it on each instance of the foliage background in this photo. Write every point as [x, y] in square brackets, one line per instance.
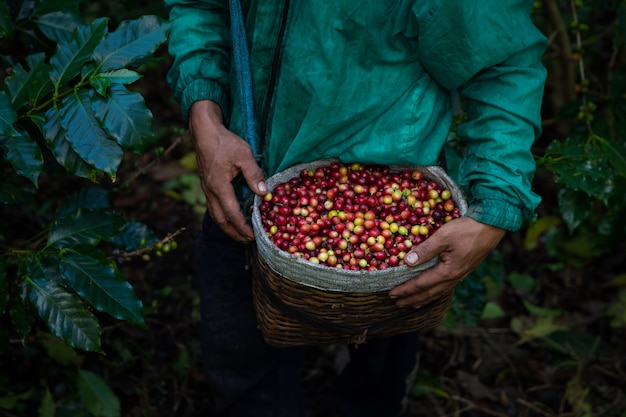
[538, 330]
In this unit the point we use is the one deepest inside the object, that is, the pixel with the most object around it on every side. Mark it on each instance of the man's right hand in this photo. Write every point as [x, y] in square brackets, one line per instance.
[222, 156]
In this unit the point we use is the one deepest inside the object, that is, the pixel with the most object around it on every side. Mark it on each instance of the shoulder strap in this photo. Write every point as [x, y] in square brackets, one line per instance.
[244, 75]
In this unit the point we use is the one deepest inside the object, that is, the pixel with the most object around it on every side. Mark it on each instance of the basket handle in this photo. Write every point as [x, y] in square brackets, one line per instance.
[241, 56]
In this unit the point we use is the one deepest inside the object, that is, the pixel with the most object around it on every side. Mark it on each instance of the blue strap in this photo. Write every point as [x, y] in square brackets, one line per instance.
[244, 74]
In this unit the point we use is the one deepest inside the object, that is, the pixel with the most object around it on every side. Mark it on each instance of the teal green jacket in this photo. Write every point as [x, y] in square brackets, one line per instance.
[371, 81]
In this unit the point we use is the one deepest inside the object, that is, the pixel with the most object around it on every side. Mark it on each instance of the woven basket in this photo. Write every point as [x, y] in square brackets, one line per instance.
[300, 303]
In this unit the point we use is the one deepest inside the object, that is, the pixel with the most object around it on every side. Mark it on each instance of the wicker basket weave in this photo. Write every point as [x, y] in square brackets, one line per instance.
[300, 303]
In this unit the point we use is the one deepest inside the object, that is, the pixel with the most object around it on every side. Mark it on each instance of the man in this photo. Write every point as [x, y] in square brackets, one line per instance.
[365, 81]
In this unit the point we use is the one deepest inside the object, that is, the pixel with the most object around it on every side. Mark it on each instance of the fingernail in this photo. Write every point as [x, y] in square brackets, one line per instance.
[262, 186]
[392, 296]
[411, 258]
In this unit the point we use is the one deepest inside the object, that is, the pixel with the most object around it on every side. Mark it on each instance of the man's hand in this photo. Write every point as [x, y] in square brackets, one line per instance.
[461, 244]
[221, 156]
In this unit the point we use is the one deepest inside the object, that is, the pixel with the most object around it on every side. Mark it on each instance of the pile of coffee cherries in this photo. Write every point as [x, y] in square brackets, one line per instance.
[355, 216]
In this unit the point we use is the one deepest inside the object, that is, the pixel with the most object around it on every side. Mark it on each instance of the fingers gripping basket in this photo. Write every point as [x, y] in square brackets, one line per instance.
[301, 303]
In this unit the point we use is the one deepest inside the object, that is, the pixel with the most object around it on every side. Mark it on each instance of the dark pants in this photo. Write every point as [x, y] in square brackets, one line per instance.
[250, 378]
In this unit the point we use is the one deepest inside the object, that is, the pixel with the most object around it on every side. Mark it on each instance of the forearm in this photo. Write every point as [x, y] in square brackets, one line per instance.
[503, 106]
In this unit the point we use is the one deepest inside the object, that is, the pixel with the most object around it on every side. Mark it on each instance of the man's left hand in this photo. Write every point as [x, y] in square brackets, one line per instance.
[461, 244]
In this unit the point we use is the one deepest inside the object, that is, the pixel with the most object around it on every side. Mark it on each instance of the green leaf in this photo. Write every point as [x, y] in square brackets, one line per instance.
[59, 25]
[65, 314]
[47, 406]
[131, 42]
[57, 141]
[576, 344]
[86, 136]
[134, 236]
[581, 166]
[612, 226]
[85, 198]
[9, 400]
[126, 118]
[8, 116]
[7, 25]
[24, 155]
[28, 86]
[575, 207]
[492, 311]
[103, 80]
[102, 287]
[537, 229]
[97, 396]
[615, 152]
[522, 281]
[541, 311]
[70, 56]
[428, 385]
[58, 350]
[86, 227]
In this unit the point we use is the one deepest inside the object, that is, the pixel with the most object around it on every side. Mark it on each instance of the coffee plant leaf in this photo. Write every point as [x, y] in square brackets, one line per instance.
[577, 344]
[428, 385]
[57, 141]
[615, 152]
[126, 118]
[25, 156]
[85, 198]
[537, 229]
[61, 352]
[85, 227]
[523, 282]
[580, 165]
[612, 225]
[7, 23]
[574, 207]
[59, 26]
[103, 80]
[47, 406]
[96, 395]
[135, 236]
[27, 86]
[4, 287]
[130, 43]
[8, 116]
[90, 141]
[65, 314]
[102, 286]
[70, 56]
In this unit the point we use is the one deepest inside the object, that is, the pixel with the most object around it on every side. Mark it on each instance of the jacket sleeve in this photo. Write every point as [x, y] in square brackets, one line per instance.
[490, 51]
[199, 46]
